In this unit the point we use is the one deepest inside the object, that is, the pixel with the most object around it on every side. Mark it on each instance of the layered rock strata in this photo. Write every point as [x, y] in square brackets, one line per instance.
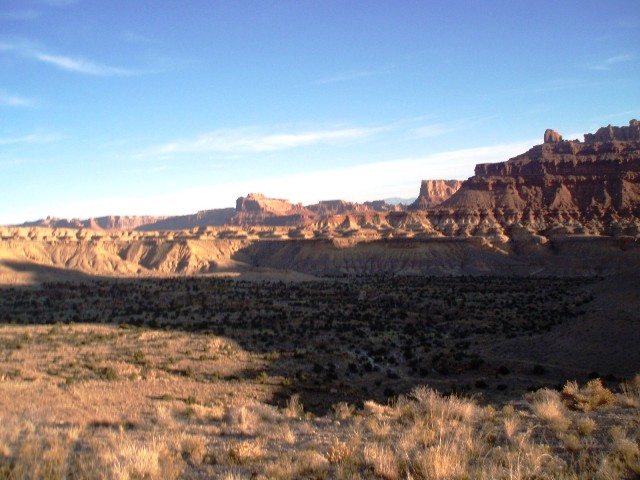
[563, 207]
[434, 192]
[558, 187]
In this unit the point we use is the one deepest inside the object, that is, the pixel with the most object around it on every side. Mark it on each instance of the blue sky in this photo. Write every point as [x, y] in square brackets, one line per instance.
[165, 107]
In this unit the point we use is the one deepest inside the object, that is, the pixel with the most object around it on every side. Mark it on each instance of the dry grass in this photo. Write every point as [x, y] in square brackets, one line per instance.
[283, 433]
[630, 396]
[306, 463]
[164, 425]
[382, 460]
[294, 407]
[585, 426]
[243, 420]
[246, 451]
[341, 452]
[194, 448]
[343, 410]
[592, 396]
[548, 406]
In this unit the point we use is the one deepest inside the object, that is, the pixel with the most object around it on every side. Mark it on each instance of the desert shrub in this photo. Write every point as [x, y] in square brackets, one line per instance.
[294, 408]
[340, 452]
[149, 458]
[547, 405]
[624, 450]
[590, 397]
[246, 451]
[631, 392]
[343, 410]
[244, 419]
[194, 448]
[585, 426]
[40, 456]
[305, 464]
[109, 373]
[382, 460]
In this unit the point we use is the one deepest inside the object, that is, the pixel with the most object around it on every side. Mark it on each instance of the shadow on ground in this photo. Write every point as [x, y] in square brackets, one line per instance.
[353, 339]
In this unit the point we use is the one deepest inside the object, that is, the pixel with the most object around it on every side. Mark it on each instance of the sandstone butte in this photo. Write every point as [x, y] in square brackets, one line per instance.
[563, 207]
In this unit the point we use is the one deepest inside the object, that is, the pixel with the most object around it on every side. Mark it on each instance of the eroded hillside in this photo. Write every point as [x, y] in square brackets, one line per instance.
[561, 208]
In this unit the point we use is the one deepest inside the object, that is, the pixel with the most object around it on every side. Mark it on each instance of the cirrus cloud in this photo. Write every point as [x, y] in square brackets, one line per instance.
[254, 140]
[608, 63]
[11, 100]
[30, 139]
[65, 62]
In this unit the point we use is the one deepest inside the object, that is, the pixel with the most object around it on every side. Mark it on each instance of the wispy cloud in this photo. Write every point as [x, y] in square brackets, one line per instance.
[30, 139]
[348, 76]
[558, 85]
[64, 62]
[34, 13]
[625, 115]
[385, 179]
[438, 129]
[608, 63]
[80, 65]
[253, 140]
[7, 99]
[435, 130]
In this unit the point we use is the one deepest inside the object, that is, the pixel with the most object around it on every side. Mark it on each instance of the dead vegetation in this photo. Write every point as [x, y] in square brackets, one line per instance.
[360, 338]
[421, 436]
[124, 401]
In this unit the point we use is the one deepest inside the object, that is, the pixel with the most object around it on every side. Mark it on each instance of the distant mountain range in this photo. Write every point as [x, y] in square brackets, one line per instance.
[255, 210]
[590, 187]
[562, 207]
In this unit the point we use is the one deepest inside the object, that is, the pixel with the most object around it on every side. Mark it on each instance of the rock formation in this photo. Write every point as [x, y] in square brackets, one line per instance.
[609, 133]
[112, 222]
[204, 218]
[551, 136]
[434, 192]
[253, 210]
[562, 207]
[590, 187]
[257, 209]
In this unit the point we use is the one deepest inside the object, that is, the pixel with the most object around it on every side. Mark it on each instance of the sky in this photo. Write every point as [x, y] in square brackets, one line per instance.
[158, 107]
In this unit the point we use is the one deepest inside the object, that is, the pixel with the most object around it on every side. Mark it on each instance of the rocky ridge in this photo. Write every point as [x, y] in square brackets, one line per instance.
[558, 187]
[434, 192]
[253, 210]
[563, 207]
[258, 210]
[111, 222]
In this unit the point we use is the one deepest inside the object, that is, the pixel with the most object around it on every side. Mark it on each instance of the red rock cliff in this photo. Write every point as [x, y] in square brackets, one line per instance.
[564, 186]
[434, 192]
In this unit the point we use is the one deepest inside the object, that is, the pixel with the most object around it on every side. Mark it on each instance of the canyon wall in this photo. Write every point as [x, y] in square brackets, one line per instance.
[563, 207]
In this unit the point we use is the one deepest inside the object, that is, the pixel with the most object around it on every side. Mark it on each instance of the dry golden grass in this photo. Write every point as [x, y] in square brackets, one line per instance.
[585, 426]
[194, 448]
[153, 422]
[341, 452]
[550, 409]
[246, 451]
[592, 396]
[305, 463]
[282, 433]
[630, 396]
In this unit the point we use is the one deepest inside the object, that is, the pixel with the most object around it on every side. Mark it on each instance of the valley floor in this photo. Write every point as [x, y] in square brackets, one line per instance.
[218, 378]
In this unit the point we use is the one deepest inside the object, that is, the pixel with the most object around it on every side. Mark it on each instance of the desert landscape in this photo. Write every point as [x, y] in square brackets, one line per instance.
[489, 329]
